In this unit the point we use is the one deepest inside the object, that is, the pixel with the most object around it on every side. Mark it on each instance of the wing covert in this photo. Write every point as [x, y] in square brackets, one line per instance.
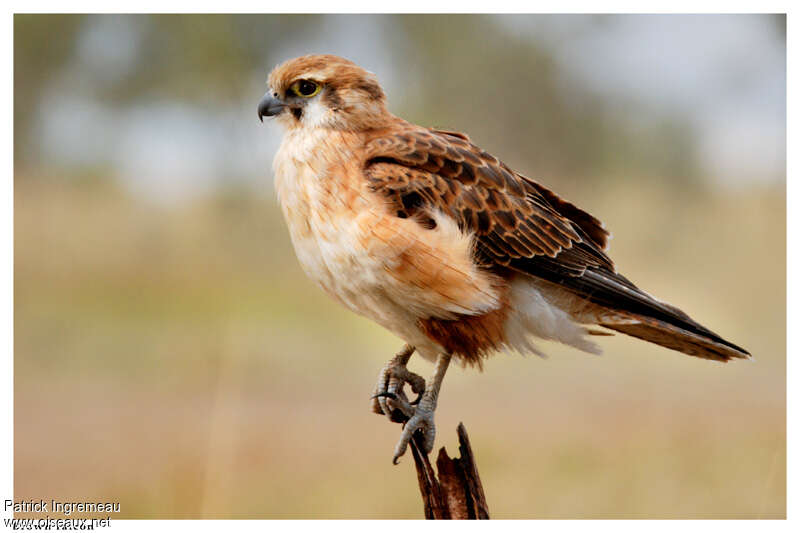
[513, 217]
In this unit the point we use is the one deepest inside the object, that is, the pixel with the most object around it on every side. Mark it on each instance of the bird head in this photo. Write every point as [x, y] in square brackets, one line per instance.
[323, 91]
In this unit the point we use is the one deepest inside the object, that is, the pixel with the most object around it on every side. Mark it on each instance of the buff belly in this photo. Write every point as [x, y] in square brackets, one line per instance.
[420, 283]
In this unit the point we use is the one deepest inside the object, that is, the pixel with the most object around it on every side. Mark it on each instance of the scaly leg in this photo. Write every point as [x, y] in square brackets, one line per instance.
[422, 419]
[389, 398]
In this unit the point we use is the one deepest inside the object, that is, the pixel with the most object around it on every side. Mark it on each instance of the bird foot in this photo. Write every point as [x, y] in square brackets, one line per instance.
[417, 416]
[422, 420]
[389, 398]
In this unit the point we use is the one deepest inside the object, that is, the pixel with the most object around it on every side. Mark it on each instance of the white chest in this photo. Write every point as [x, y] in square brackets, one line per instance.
[360, 254]
[317, 200]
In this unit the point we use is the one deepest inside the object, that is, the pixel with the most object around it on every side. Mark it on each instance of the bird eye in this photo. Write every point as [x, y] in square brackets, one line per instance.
[305, 88]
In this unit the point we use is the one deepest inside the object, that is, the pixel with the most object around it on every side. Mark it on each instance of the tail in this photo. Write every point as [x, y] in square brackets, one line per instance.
[655, 321]
[693, 340]
[631, 310]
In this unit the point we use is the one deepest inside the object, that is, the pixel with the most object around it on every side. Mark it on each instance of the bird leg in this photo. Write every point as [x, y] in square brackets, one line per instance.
[389, 398]
[422, 417]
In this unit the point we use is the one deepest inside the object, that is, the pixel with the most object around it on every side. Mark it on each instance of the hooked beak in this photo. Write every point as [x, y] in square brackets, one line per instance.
[269, 106]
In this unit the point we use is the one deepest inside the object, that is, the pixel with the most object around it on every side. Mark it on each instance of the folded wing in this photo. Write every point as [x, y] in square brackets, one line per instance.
[522, 226]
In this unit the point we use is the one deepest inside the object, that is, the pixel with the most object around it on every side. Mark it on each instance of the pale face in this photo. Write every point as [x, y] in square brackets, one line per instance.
[308, 111]
[323, 92]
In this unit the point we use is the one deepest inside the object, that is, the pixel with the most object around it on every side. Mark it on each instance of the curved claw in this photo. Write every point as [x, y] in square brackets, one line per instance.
[389, 395]
[421, 421]
[389, 398]
[399, 410]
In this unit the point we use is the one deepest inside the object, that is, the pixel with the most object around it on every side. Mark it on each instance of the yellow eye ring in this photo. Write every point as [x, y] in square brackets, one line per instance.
[306, 88]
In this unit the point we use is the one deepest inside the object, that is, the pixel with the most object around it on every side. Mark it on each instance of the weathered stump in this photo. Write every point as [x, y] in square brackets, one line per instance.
[457, 493]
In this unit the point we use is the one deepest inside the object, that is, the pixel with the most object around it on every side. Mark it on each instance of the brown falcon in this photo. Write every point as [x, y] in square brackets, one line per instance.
[442, 243]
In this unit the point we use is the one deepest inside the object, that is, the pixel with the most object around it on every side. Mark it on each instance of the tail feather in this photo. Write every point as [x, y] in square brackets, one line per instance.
[680, 339]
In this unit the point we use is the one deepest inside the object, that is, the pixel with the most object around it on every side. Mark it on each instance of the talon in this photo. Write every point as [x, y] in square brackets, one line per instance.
[389, 399]
[421, 421]
[390, 395]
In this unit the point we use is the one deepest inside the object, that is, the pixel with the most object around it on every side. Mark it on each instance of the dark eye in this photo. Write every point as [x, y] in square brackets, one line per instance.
[305, 88]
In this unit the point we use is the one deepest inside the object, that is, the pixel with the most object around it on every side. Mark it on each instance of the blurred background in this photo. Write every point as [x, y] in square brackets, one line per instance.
[170, 354]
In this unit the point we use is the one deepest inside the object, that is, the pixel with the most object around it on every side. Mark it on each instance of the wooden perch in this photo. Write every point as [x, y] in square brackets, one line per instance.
[457, 493]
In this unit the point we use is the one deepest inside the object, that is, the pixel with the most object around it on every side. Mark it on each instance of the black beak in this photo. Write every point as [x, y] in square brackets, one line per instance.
[269, 106]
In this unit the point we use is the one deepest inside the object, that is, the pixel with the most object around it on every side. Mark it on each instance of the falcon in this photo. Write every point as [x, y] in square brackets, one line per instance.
[442, 243]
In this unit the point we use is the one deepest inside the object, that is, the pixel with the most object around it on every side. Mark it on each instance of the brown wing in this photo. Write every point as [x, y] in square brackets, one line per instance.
[518, 223]
[419, 169]
[594, 229]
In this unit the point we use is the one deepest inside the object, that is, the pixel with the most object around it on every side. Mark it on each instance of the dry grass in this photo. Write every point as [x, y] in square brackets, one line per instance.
[176, 360]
